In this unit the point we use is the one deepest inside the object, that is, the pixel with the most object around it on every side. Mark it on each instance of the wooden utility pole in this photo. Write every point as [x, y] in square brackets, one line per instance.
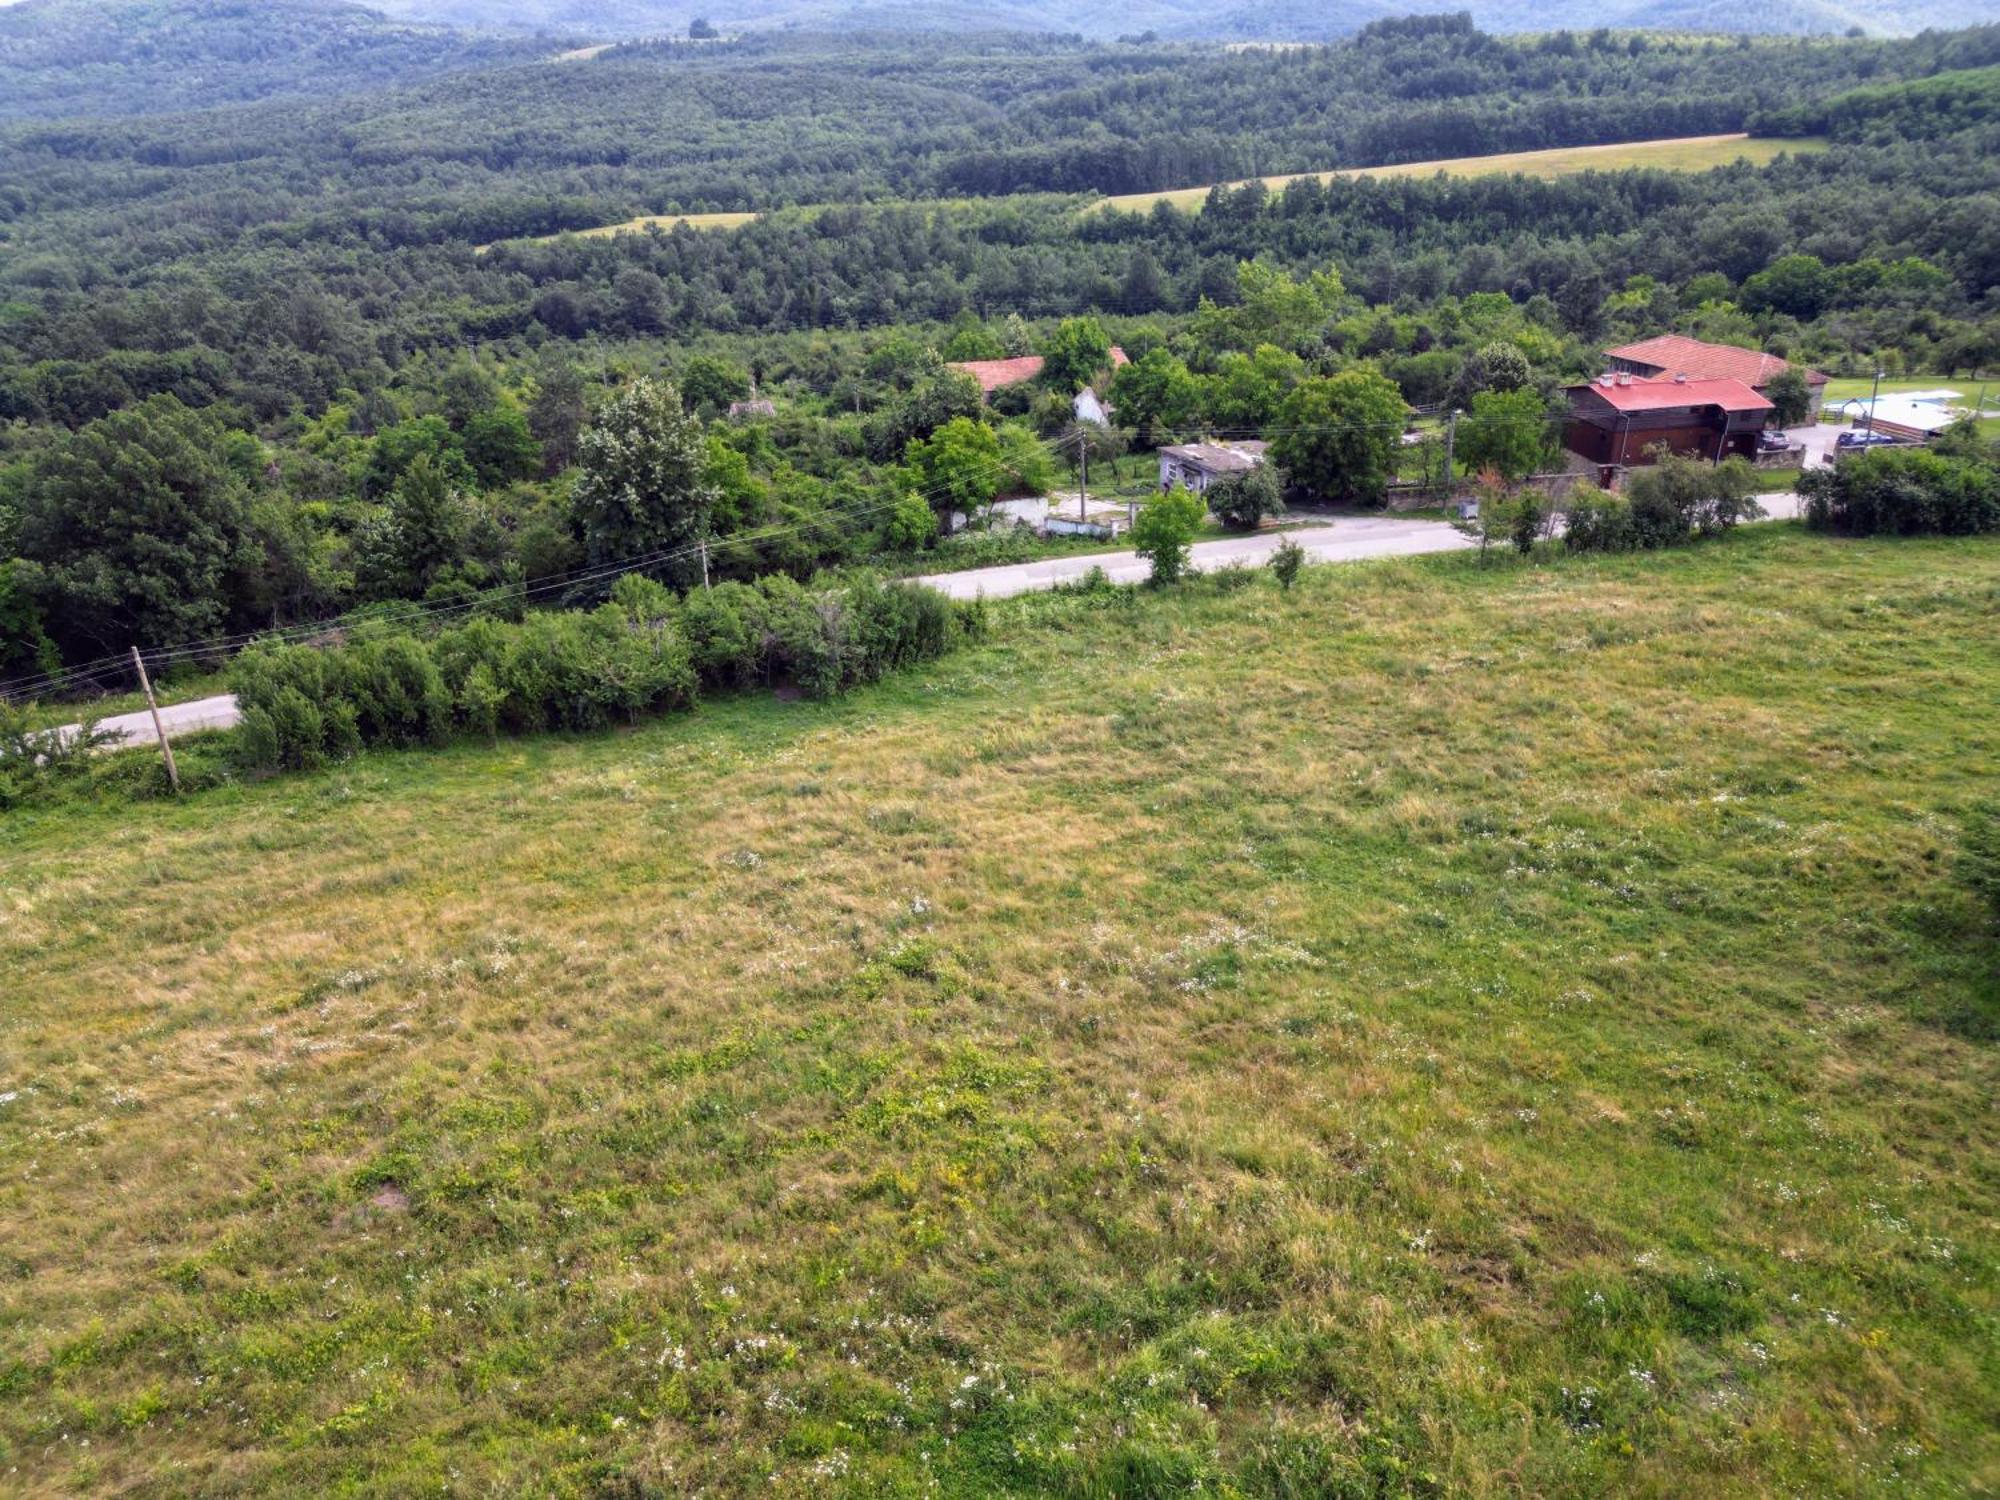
[159, 728]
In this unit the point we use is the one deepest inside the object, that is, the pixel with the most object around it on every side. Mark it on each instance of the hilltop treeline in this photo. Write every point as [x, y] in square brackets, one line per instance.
[1926, 108]
[62, 58]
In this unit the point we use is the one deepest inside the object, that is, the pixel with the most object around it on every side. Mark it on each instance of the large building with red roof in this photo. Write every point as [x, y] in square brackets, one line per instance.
[1672, 354]
[1616, 419]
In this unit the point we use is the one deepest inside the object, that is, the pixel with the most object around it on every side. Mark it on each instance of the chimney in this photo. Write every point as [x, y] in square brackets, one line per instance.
[1680, 378]
[1624, 379]
[1607, 380]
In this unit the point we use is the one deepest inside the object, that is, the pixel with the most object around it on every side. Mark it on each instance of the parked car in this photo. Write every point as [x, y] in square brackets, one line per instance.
[1773, 440]
[1861, 438]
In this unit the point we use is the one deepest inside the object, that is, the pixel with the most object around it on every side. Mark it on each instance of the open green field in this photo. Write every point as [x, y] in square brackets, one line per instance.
[1695, 153]
[1441, 1031]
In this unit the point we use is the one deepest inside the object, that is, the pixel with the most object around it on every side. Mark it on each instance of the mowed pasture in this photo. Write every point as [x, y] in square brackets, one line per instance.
[1694, 153]
[1445, 1030]
[665, 223]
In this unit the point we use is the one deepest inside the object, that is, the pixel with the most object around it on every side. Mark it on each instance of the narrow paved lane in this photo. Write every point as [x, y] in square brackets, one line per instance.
[1345, 540]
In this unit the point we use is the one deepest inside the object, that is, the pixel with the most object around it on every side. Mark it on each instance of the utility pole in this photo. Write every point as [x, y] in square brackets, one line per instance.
[704, 562]
[159, 728]
[1874, 396]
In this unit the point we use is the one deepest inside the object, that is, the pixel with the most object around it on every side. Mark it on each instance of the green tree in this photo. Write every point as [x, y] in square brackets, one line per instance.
[557, 413]
[710, 384]
[428, 525]
[972, 339]
[1498, 366]
[911, 524]
[1166, 529]
[1677, 495]
[1075, 352]
[500, 447]
[1789, 392]
[136, 532]
[1798, 285]
[24, 645]
[642, 488]
[1286, 561]
[1152, 392]
[1246, 389]
[1508, 431]
[1272, 307]
[1337, 436]
[1016, 337]
[959, 466]
[396, 448]
[1241, 501]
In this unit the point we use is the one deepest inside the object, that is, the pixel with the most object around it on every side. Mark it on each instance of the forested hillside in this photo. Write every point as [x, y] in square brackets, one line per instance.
[320, 316]
[124, 57]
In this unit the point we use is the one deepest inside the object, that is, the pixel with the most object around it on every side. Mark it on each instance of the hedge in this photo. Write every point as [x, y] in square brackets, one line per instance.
[647, 651]
[1903, 492]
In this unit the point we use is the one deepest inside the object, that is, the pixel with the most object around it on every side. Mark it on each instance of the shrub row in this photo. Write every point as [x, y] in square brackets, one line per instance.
[1666, 505]
[646, 651]
[1903, 492]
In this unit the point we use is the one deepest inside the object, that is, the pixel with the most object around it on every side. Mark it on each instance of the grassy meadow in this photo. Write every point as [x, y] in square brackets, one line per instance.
[1698, 153]
[1441, 1031]
[1695, 153]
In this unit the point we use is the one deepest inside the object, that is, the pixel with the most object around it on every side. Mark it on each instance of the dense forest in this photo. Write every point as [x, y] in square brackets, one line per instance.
[338, 353]
[90, 57]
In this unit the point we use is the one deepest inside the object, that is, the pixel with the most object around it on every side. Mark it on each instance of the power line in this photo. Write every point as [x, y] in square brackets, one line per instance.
[25, 686]
[524, 592]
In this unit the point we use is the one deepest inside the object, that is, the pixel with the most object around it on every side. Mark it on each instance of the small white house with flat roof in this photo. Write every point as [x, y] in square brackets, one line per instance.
[1196, 466]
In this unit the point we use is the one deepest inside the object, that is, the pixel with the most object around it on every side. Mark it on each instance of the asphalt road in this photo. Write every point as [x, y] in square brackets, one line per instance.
[1346, 540]
[1350, 539]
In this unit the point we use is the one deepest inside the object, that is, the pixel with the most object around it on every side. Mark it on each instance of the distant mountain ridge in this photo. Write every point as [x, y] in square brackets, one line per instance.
[1273, 20]
[105, 58]
[115, 57]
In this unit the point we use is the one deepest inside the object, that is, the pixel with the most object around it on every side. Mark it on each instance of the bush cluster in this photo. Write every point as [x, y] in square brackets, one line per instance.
[1672, 502]
[646, 651]
[1903, 492]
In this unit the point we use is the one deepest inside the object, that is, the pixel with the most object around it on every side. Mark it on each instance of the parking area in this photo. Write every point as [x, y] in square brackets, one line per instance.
[1817, 440]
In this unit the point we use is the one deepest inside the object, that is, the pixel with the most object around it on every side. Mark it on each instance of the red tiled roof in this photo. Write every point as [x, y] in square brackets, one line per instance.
[1665, 394]
[1676, 354]
[992, 374]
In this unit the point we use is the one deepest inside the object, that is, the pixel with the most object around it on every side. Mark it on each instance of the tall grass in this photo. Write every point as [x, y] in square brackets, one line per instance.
[1437, 1030]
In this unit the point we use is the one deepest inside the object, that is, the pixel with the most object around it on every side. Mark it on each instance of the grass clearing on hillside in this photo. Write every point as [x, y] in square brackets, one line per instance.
[1443, 1030]
[1695, 153]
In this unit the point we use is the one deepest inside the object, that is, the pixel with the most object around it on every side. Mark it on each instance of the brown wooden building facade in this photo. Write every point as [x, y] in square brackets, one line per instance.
[1615, 419]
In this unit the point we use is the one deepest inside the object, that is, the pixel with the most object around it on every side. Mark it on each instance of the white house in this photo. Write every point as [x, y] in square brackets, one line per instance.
[1090, 407]
[1196, 466]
